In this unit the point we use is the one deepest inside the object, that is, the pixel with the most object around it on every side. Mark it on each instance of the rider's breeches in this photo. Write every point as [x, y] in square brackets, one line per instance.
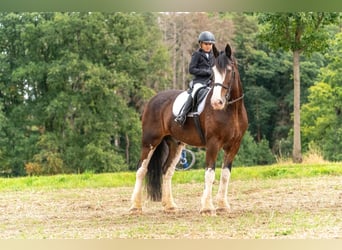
[196, 86]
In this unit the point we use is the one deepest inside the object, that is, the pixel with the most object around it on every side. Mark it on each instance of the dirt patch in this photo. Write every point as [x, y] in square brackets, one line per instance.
[288, 208]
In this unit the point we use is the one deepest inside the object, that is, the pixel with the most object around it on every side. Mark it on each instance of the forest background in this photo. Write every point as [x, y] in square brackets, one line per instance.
[73, 86]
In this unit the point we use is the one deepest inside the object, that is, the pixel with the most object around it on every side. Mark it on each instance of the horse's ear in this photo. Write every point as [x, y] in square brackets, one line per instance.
[215, 51]
[228, 51]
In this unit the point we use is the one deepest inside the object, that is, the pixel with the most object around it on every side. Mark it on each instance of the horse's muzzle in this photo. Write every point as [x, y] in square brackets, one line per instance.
[217, 104]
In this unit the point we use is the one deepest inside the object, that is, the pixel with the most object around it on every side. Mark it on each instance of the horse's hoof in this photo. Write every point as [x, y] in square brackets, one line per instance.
[171, 210]
[206, 212]
[135, 211]
[222, 210]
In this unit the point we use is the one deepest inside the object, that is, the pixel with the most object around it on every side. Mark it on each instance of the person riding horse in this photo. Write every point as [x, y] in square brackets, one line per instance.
[200, 67]
[223, 122]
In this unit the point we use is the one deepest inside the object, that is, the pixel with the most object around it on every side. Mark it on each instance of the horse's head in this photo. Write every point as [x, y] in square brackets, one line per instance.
[225, 77]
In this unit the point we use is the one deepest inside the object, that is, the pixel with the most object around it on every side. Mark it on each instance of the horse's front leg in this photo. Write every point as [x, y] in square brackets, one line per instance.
[209, 178]
[222, 195]
[136, 207]
[207, 200]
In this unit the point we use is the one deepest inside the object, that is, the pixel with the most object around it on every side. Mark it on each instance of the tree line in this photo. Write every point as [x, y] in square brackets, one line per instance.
[73, 86]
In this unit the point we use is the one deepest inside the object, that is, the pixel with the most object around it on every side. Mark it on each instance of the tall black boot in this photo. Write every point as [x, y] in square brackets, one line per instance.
[180, 119]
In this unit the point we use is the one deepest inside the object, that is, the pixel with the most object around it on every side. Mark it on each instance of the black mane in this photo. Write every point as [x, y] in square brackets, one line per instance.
[222, 61]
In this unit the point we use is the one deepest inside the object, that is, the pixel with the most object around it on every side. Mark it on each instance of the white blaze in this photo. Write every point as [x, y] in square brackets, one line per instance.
[219, 78]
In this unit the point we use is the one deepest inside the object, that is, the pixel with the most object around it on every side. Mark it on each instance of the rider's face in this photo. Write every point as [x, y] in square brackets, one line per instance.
[206, 46]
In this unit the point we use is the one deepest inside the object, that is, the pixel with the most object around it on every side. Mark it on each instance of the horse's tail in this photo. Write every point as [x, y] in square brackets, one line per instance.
[155, 171]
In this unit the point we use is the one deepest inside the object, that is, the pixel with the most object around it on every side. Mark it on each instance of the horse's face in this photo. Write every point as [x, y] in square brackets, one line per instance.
[224, 76]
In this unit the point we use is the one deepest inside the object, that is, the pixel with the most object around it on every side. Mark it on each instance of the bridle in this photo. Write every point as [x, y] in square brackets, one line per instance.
[229, 88]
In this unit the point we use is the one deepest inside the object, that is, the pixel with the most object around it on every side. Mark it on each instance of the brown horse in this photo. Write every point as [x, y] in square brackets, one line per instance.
[223, 122]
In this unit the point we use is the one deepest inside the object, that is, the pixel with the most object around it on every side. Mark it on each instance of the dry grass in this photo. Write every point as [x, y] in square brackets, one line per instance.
[313, 156]
[267, 209]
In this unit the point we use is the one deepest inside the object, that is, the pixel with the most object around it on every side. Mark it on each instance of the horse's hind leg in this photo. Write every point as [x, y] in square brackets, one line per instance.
[140, 175]
[175, 150]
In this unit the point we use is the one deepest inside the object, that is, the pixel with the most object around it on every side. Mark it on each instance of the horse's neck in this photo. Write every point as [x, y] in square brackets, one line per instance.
[237, 91]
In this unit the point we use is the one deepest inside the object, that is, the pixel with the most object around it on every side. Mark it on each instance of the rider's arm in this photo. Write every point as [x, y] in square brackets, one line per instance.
[194, 66]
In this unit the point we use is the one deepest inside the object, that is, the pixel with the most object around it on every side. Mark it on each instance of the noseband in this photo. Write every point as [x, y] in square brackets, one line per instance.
[229, 89]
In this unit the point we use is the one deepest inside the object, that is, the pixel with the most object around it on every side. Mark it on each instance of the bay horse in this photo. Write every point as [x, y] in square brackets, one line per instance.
[223, 122]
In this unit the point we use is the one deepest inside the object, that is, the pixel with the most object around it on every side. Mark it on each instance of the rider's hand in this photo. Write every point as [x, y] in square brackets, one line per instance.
[209, 71]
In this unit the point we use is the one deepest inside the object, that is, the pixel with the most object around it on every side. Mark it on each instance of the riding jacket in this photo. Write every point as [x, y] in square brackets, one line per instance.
[200, 66]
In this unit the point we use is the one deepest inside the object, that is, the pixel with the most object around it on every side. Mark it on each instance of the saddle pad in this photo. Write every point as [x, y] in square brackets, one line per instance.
[181, 99]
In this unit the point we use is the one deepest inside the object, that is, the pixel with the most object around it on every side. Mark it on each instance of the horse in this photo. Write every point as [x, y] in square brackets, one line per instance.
[223, 123]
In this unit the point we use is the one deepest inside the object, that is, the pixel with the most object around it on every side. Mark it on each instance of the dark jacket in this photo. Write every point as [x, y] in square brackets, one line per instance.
[200, 66]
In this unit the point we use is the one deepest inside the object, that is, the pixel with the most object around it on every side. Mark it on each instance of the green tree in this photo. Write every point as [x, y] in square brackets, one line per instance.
[72, 86]
[252, 153]
[261, 105]
[299, 32]
[322, 115]
[322, 121]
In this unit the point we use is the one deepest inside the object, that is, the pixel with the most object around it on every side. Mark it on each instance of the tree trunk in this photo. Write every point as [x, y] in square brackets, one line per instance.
[174, 55]
[184, 73]
[127, 149]
[297, 148]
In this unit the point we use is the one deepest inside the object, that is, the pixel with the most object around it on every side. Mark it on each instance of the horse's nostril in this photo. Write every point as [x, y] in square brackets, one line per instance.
[218, 103]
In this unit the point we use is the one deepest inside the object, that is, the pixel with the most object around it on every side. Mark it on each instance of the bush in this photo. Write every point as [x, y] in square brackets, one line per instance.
[49, 163]
[33, 168]
[252, 153]
[99, 161]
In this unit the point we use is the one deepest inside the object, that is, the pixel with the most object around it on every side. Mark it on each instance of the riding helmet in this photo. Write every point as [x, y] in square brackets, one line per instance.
[206, 37]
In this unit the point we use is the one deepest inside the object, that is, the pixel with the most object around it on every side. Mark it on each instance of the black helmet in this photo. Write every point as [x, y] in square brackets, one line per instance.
[206, 37]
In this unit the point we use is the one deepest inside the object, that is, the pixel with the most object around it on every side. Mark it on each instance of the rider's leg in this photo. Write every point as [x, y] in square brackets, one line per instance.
[180, 119]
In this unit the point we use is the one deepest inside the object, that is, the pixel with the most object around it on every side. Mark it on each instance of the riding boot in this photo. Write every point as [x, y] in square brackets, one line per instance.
[180, 119]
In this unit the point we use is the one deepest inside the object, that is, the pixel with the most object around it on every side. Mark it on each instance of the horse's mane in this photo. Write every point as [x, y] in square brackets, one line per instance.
[222, 61]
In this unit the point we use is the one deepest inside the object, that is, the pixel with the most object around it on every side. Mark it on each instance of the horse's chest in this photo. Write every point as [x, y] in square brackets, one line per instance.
[231, 131]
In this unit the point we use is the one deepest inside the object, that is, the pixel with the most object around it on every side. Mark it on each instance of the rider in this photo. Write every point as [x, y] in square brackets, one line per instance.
[200, 67]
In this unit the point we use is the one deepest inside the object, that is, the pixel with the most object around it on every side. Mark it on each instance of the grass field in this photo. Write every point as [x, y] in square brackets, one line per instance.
[270, 202]
[127, 179]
